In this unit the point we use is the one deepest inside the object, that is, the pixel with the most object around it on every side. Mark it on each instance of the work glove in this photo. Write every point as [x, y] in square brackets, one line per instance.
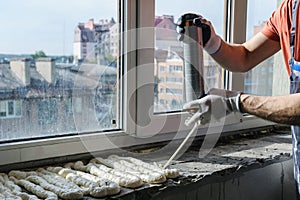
[211, 41]
[215, 105]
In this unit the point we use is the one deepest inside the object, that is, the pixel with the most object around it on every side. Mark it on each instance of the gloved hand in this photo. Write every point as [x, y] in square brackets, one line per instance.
[211, 41]
[214, 43]
[216, 104]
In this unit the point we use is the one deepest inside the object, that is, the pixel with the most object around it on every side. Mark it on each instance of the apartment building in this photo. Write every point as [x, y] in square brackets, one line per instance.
[42, 97]
[96, 42]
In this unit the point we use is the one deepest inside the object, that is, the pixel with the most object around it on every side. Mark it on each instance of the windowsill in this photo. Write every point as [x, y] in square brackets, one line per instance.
[251, 167]
[262, 158]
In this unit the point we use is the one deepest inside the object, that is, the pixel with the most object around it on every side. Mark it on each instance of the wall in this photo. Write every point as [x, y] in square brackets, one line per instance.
[273, 182]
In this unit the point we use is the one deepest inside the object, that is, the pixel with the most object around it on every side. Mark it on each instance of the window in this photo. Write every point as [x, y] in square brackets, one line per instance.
[61, 75]
[10, 109]
[174, 91]
[260, 79]
[174, 79]
[68, 105]
[3, 109]
[93, 83]
[175, 68]
[160, 53]
[169, 53]
[153, 117]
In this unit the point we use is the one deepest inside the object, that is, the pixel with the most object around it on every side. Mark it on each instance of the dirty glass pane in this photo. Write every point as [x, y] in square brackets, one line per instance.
[10, 107]
[18, 108]
[2, 108]
[169, 90]
[259, 80]
[58, 68]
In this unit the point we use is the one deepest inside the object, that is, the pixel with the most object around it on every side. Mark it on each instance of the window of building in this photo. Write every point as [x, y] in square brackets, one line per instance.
[175, 68]
[69, 105]
[173, 91]
[10, 108]
[3, 112]
[18, 108]
[174, 79]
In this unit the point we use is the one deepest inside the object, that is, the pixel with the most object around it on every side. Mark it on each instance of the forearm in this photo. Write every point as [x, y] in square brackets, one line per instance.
[228, 59]
[243, 57]
[280, 109]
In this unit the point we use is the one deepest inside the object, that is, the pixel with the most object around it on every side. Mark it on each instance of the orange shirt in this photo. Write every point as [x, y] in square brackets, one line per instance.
[278, 28]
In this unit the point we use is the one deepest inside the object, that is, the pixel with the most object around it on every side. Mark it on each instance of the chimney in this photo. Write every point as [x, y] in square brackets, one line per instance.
[21, 68]
[90, 24]
[46, 67]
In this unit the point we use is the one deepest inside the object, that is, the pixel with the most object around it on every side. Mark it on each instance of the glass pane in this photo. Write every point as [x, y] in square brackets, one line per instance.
[47, 111]
[2, 108]
[10, 108]
[58, 68]
[259, 80]
[18, 108]
[169, 93]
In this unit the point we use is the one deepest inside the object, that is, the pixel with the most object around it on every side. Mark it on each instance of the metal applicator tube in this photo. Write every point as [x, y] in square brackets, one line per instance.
[193, 62]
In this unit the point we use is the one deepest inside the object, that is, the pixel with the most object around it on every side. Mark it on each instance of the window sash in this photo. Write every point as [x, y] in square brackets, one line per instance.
[149, 123]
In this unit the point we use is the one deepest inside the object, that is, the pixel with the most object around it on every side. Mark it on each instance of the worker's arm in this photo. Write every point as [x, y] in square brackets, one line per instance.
[237, 57]
[280, 109]
[243, 57]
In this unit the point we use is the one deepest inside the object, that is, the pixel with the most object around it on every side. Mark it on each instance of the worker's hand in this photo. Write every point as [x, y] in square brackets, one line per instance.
[191, 17]
[215, 105]
[211, 41]
[214, 41]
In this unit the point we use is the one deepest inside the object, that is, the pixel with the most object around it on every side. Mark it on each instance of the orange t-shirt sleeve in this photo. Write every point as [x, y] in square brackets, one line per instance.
[270, 30]
[277, 28]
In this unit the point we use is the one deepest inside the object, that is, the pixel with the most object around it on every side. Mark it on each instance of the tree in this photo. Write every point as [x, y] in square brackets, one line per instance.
[39, 54]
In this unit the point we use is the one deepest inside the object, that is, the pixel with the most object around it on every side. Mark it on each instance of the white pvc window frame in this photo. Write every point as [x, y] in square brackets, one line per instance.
[29, 150]
[139, 126]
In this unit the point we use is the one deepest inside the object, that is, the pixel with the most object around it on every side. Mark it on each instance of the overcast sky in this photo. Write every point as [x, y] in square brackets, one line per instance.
[31, 25]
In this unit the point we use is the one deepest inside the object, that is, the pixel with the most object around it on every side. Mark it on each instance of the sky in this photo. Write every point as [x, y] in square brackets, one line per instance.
[213, 10]
[32, 25]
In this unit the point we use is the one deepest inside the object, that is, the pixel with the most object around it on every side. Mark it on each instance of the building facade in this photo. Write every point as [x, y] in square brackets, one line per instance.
[44, 98]
[96, 42]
